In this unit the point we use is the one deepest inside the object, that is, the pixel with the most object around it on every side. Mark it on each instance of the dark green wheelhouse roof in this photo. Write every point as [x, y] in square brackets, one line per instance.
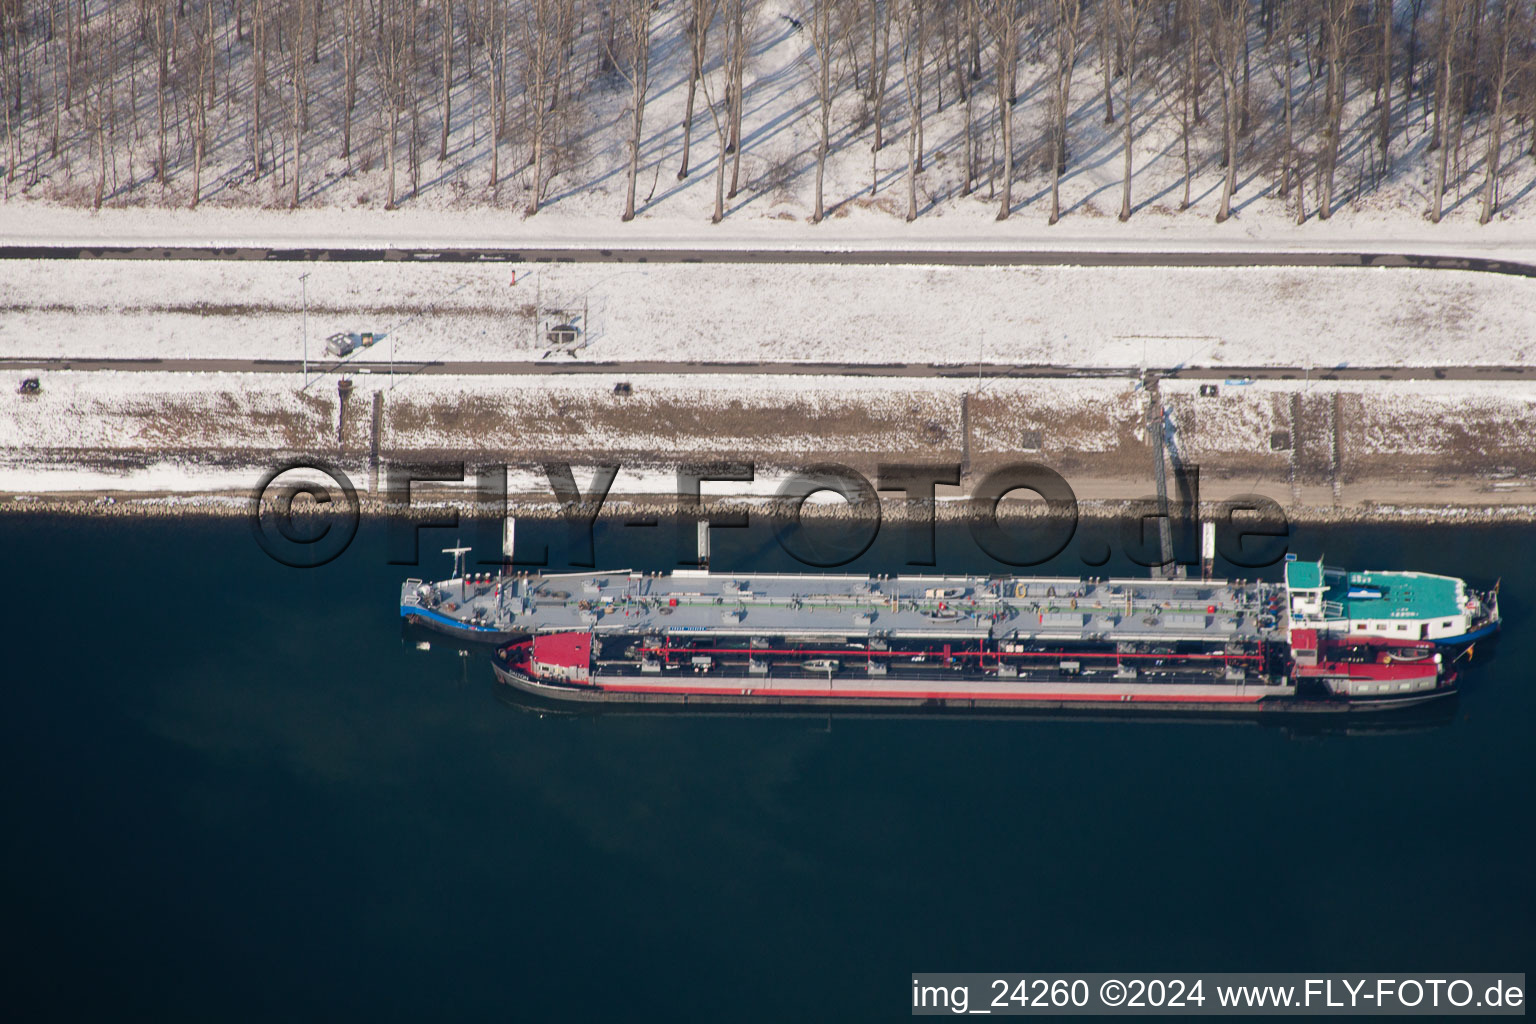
[1304, 575]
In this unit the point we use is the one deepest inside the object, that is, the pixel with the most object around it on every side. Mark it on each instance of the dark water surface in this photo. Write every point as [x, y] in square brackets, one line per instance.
[231, 791]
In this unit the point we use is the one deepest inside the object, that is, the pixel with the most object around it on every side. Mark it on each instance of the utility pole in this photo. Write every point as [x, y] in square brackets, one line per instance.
[1155, 427]
[304, 298]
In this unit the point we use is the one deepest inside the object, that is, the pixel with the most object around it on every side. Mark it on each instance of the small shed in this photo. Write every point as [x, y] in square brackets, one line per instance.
[563, 334]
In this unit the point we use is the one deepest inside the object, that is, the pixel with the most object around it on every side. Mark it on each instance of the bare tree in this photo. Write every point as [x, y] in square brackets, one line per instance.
[1189, 91]
[12, 21]
[258, 78]
[1292, 149]
[967, 73]
[390, 66]
[493, 42]
[349, 88]
[1504, 40]
[879, 37]
[1066, 44]
[446, 27]
[914, 35]
[700, 14]
[716, 84]
[1337, 18]
[822, 38]
[542, 39]
[296, 24]
[99, 76]
[411, 79]
[1003, 18]
[1106, 53]
[635, 17]
[200, 44]
[740, 13]
[162, 86]
[1128, 17]
[1227, 26]
[1384, 82]
[1451, 14]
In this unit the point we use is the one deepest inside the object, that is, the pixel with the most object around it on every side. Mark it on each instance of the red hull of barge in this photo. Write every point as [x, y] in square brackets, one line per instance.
[558, 667]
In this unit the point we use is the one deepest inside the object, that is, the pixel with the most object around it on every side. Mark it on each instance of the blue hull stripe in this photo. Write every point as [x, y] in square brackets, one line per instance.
[1466, 638]
[407, 610]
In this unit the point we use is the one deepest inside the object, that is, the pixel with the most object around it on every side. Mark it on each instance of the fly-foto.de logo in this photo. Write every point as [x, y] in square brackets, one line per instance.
[305, 514]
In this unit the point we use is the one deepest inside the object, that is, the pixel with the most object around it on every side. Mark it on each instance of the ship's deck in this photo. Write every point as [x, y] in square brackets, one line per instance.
[911, 607]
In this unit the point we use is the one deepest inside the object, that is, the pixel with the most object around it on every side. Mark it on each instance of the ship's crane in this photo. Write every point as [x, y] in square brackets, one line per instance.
[458, 554]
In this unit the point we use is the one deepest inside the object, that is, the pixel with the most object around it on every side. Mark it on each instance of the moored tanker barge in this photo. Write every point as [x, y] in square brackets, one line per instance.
[1323, 640]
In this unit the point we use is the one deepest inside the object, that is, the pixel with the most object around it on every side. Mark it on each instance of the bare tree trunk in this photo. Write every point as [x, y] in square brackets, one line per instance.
[447, 27]
[389, 66]
[204, 55]
[637, 23]
[1338, 18]
[413, 99]
[701, 13]
[1187, 92]
[1450, 19]
[718, 100]
[1003, 20]
[1106, 26]
[1287, 85]
[738, 12]
[969, 94]
[821, 40]
[1496, 129]
[1415, 8]
[392, 119]
[1229, 144]
[258, 81]
[349, 58]
[1229, 28]
[543, 48]
[495, 41]
[101, 157]
[538, 85]
[1128, 15]
[162, 60]
[297, 42]
[1068, 16]
[913, 37]
[877, 87]
[1384, 125]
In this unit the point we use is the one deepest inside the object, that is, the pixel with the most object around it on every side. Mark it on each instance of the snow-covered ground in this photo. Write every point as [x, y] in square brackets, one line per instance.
[752, 313]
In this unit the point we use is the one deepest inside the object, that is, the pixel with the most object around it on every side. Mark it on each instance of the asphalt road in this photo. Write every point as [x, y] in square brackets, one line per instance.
[987, 371]
[923, 257]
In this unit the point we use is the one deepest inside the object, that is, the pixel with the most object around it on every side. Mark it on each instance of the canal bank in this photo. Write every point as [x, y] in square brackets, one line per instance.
[1326, 450]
